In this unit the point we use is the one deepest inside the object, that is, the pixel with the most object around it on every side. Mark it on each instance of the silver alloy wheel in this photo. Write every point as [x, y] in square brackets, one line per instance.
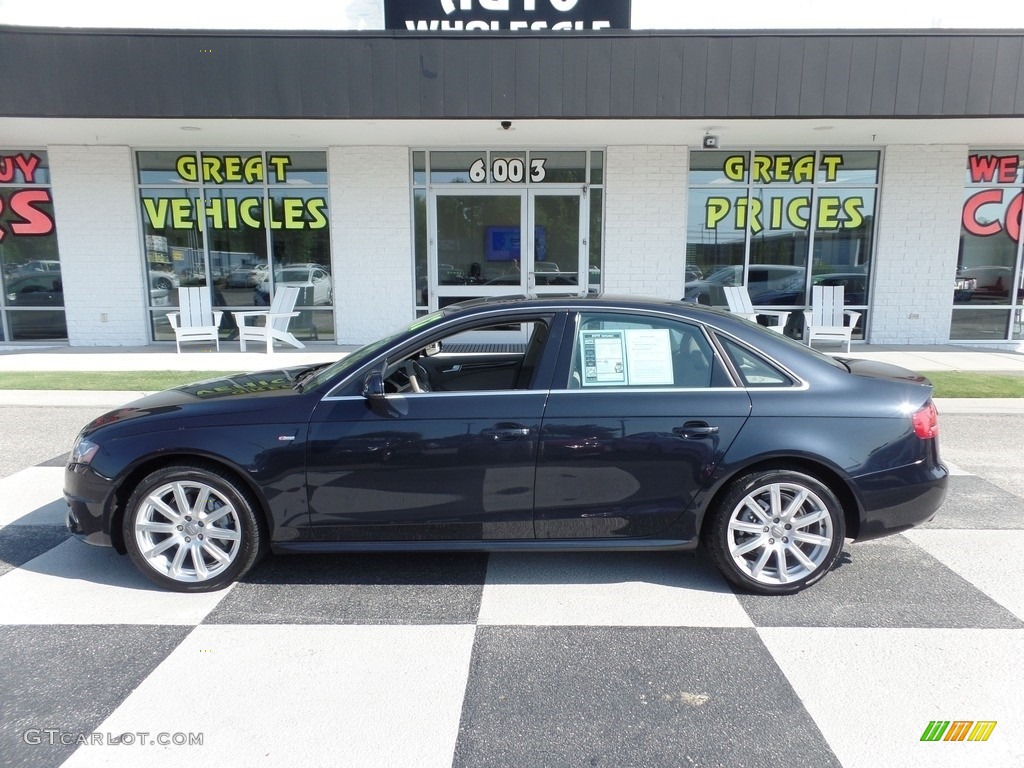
[188, 531]
[779, 533]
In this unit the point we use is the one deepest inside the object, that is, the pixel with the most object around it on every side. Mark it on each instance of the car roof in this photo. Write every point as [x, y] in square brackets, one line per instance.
[593, 301]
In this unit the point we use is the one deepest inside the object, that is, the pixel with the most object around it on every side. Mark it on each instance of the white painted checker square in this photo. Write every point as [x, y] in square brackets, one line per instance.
[987, 559]
[287, 695]
[873, 692]
[77, 583]
[640, 589]
[33, 496]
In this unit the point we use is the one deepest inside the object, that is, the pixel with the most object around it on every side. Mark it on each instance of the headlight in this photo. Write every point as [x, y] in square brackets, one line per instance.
[83, 452]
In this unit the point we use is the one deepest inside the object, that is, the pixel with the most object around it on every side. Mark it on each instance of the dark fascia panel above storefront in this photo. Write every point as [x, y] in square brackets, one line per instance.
[62, 73]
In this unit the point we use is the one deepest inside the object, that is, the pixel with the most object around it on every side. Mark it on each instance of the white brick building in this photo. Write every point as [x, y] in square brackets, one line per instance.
[418, 169]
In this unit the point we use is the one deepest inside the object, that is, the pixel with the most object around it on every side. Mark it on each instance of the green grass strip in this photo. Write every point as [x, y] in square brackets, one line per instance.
[131, 381]
[976, 384]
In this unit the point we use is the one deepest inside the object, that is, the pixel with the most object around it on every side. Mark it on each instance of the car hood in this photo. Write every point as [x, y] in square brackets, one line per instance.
[242, 393]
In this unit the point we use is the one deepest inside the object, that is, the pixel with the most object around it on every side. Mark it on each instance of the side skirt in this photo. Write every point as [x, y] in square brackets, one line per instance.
[550, 545]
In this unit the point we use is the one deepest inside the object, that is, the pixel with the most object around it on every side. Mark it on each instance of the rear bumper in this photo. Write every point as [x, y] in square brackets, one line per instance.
[901, 498]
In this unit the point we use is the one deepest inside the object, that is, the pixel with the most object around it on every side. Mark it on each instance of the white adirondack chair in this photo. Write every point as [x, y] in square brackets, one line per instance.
[197, 321]
[828, 319]
[276, 319]
[738, 299]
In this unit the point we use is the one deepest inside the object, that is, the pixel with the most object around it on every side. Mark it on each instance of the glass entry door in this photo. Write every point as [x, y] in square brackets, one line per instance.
[558, 244]
[520, 241]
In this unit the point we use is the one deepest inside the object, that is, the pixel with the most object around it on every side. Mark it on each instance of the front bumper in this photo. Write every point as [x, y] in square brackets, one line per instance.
[89, 497]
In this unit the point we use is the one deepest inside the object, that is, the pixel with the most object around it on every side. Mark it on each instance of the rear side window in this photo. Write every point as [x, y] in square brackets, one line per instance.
[754, 370]
[631, 351]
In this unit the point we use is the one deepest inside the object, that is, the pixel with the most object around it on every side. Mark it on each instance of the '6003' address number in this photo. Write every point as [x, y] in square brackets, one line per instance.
[507, 170]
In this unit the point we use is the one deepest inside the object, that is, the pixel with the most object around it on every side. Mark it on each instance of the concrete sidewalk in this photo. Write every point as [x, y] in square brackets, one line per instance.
[162, 357]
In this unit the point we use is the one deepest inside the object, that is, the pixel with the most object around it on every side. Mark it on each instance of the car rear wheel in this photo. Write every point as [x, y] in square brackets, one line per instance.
[776, 532]
[192, 529]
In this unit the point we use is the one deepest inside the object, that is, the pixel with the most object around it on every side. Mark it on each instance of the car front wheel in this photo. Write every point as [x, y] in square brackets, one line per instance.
[192, 529]
[776, 532]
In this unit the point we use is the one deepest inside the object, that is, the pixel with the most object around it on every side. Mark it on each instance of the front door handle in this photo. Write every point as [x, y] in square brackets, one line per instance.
[695, 430]
[505, 432]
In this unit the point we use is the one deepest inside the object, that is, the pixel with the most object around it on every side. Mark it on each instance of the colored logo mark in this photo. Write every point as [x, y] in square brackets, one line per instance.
[958, 730]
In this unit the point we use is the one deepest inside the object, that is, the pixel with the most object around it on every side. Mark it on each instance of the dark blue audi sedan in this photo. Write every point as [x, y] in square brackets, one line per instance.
[522, 424]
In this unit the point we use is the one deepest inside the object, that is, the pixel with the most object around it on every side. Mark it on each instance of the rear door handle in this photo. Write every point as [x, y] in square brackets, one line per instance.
[504, 432]
[695, 430]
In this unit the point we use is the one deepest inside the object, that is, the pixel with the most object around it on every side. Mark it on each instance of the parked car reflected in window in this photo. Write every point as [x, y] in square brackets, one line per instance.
[989, 284]
[246, 277]
[761, 278]
[164, 279]
[313, 280]
[32, 293]
[36, 266]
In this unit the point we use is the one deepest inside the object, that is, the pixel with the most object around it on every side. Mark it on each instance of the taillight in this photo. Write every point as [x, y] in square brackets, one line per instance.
[926, 421]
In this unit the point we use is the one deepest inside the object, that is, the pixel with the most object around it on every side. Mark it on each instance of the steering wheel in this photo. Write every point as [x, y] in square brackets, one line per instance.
[419, 380]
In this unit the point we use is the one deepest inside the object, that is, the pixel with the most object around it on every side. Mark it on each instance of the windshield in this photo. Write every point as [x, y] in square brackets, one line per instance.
[352, 361]
[292, 276]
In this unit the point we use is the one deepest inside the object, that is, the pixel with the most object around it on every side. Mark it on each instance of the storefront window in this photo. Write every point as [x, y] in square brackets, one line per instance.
[988, 295]
[760, 219]
[597, 167]
[563, 167]
[419, 205]
[594, 241]
[241, 224]
[32, 301]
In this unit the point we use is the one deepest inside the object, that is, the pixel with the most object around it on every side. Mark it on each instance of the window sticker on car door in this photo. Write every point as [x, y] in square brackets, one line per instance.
[649, 357]
[626, 356]
[604, 358]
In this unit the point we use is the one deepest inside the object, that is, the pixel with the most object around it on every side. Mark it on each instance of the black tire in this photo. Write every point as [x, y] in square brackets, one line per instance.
[163, 283]
[747, 535]
[207, 547]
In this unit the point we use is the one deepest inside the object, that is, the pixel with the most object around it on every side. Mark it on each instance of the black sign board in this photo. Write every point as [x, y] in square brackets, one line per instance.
[506, 15]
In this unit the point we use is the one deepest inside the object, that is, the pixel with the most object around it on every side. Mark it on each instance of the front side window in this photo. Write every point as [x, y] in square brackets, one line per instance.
[457, 363]
[627, 351]
[32, 301]
[239, 224]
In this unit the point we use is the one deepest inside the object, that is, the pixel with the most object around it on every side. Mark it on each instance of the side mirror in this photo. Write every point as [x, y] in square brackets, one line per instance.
[373, 386]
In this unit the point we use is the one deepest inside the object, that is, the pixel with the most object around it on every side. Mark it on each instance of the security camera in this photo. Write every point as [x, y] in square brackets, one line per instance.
[710, 142]
[506, 125]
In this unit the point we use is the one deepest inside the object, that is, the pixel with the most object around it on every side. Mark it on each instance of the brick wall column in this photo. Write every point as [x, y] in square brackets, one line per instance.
[645, 220]
[371, 239]
[918, 237]
[100, 245]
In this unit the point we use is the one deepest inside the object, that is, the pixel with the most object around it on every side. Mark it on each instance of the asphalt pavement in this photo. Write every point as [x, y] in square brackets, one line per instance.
[596, 659]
